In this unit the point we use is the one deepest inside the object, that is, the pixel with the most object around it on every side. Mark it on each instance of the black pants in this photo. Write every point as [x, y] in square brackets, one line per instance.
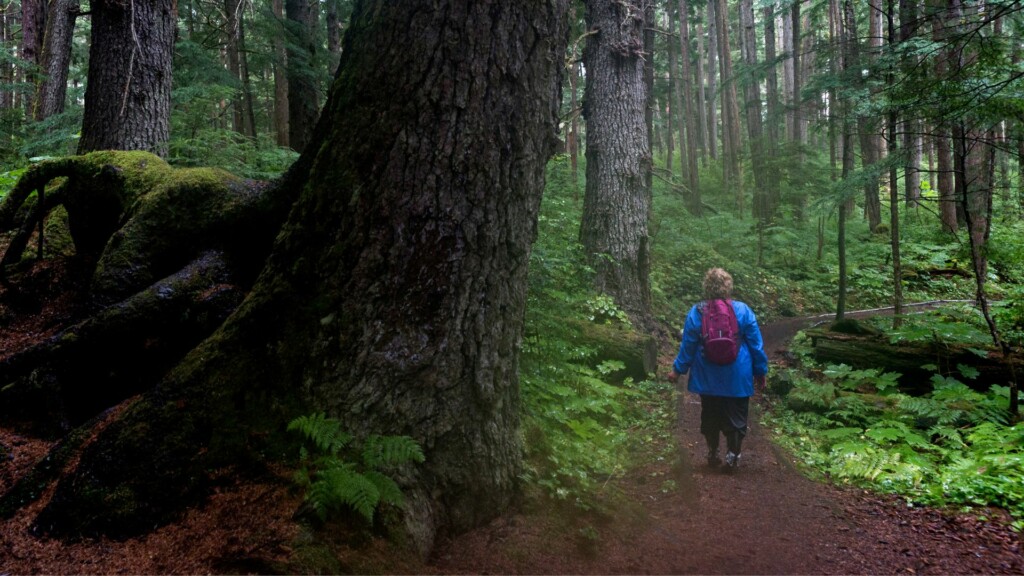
[724, 415]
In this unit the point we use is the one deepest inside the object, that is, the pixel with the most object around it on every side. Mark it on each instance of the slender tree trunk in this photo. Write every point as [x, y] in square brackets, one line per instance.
[945, 184]
[763, 209]
[690, 120]
[672, 108]
[616, 207]
[394, 296]
[6, 68]
[772, 76]
[249, 109]
[232, 27]
[303, 94]
[731, 167]
[699, 83]
[894, 204]
[56, 58]
[798, 117]
[866, 129]
[712, 82]
[33, 25]
[280, 78]
[128, 98]
[333, 33]
[789, 48]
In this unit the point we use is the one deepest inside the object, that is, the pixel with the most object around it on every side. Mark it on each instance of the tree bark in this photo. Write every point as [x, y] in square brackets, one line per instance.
[772, 76]
[56, 57]
[128, 98]
[617, 203]
[943, 144]
[333, 33]
[394, 296]
[303, 94]
[699, 82]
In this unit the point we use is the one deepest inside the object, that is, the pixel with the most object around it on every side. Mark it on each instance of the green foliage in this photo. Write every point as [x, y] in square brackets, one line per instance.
[332, 478]
[580, 425]
[952, 446]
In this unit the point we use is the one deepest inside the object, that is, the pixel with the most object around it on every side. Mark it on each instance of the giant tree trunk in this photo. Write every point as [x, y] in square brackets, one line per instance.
[56, 57]
[617, 202]
[394, 296]
[303, 95]
[128, 99]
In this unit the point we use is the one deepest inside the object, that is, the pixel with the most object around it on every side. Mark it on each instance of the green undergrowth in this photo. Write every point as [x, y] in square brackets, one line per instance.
[589, 416]
[953, 446]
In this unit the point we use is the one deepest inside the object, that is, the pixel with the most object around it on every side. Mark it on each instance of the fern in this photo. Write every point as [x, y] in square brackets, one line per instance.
[332, 481]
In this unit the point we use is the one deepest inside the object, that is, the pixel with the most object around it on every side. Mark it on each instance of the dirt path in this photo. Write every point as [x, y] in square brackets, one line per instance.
[765, 518]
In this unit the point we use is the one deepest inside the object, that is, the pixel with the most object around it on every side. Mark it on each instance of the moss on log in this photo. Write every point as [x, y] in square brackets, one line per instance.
[864, 351]
[637, 351]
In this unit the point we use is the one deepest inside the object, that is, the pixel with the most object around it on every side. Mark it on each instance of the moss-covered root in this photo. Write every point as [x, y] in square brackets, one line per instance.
[183, 212]
[36, 177]
[119, 352]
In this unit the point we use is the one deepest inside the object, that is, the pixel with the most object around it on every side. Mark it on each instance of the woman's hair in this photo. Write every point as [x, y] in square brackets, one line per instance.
[717, 284]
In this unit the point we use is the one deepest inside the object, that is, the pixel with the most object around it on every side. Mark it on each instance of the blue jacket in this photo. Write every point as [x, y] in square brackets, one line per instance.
[736, 379]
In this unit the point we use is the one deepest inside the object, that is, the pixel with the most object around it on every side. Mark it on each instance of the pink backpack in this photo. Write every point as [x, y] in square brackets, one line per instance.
[719, 331]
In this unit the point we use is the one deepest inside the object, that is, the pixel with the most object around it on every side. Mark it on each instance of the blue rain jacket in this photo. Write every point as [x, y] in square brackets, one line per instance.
[736, 379]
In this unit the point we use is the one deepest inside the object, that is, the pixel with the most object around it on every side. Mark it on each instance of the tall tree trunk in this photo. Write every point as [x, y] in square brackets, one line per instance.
[280, 78]
[249, 107]
[699, 83]
[128, 98]
[395, 293]
[6, 68]
[763, 209]
[798, 117]
[731, 167]
[911, 126]
[232, 28]
[33, 24]
[670, 108]
[333, 33]
[789, 48]
[866, 129]
[303, 94]
[771, 77]
[56, 57]
[945, 184]
[712, 81]
[616, 205]
[894, 205]
[690, 120]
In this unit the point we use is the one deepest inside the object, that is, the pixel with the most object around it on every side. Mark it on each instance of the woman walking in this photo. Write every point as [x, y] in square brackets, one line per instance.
[723, 352]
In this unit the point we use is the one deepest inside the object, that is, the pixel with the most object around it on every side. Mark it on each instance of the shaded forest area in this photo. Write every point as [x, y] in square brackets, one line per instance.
[399, 268]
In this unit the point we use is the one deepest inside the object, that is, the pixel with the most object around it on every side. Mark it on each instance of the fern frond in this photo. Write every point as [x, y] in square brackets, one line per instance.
[388, 490]
[387, 451]
[325, 433]
[339, 486]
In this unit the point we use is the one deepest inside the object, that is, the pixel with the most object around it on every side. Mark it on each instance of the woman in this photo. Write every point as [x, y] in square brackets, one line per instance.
[724, 389]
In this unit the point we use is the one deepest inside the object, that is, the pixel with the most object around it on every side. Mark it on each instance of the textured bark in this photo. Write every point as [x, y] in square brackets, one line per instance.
[56, 57]
[303, 95]
[789, 48]
[394, 296]
[128, 99]
[617, 203]
[333, 32]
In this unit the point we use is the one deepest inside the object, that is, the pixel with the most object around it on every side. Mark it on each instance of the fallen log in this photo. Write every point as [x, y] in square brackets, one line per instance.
[863, 351]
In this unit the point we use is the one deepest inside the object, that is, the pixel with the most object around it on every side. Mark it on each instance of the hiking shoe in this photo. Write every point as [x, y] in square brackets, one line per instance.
[713, 460]
[732, 460]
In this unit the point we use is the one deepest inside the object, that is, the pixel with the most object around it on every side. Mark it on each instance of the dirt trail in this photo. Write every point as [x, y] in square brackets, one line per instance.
[765, 518]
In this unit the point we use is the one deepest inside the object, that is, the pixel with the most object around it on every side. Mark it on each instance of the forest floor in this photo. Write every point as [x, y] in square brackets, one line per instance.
[673, 515]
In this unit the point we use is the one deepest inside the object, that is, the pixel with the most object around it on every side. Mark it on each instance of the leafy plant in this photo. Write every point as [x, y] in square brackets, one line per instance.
[332, 481]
